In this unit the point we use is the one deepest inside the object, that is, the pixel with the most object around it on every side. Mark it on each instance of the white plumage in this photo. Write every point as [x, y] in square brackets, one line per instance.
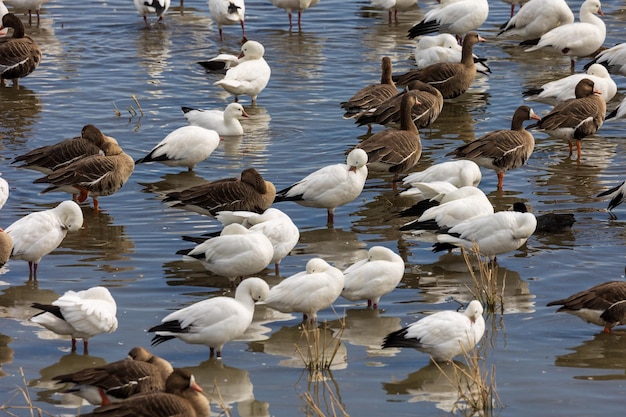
[39, 233]
[331, 186]
[371, 278]
[184, 147]
[457, 17]
[4, 191]
[81, 315]
[236, 252]
[225, 123]
[250, 76]
[228, 12]
[295, 5]
[308, 291]
[443, 47]
[157, 7]
[443, 335]
[538, 17]
[429, 183]
[393, 6]
[215, 321]
[614, 58]
[273, 223]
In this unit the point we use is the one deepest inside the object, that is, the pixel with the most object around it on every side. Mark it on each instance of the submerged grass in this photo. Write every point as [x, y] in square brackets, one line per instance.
[486, 288]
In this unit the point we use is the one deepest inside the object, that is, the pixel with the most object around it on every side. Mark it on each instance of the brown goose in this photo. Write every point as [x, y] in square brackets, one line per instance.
[19, 54]
[395, 150]
[426, 110]
[502, 150]
[250, 192]
[451, 78]
[49, 158]
[140, 372]
[182, 397]
[576, 118]
[603, 305]
[96, 175]
[372, 95]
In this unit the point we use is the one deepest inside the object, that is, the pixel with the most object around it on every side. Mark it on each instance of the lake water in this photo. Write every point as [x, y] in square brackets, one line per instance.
[98, 55]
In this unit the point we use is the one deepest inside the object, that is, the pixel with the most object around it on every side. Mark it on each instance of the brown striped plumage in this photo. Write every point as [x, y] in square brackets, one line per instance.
[395, 150]
[141, 372]
[93, 176]
[19, 54]
[451, 78]
[182, 398]
[52, 157]
[576, 118]
[250, 192]
[502, 150]
[372, 95]
[603, 304]
[423, 114]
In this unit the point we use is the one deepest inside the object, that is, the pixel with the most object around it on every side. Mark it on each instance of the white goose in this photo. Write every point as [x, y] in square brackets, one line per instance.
[444, 334]
[614, 58]
[228, 12]
[494, 234]
[273, 223]
[250, 76]
[237, 252]
[4, 191]
[564, 88]
[456, 173]
[29, 5]
[443, 47]
[371, 278]
[225, 123]
[37, 234]
[158, 7]
[215, 321]
[308, 291]
[81, 315]
[331, 186]
[457, 206]
[619, 112]
[393, 6]
[457, 17]
[536, 18]
[184, 147]
[295, 5]
[578, 39]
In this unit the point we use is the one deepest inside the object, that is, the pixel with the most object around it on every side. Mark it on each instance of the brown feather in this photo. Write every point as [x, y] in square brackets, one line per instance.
[19, 54]
[372, 95]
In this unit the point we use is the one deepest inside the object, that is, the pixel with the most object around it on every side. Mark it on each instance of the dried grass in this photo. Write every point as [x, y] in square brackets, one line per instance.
[29, 407]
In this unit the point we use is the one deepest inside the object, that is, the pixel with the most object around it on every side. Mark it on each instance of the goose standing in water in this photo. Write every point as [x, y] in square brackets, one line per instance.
[158, 7]
[502, 150]
[19, 53]
[225, 123]
[228, 12]
[295, 5]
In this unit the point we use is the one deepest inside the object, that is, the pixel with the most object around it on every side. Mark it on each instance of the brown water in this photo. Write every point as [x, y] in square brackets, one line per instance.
[98, 54]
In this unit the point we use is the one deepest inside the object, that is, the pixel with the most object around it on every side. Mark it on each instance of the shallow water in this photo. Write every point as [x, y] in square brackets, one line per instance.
[98, 55]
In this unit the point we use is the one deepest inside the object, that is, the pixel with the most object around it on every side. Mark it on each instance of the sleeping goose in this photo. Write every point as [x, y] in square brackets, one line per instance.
[565, 88]
[236, 253]
[182, 397]
[215, 321]
[183, 147]
[140, 372]
[443, 47]
[37, 234]
[250, 192]
[424, 112]
[457, 17]
[295, 5]
[19, 53]
[538, 18]
[395, 150]
[331, 186]
[158, 7]
[225, 123]
[444, 334]
[442, 177]
[48, 158]
[502, 150]
[307, 292]
[228, 12]
[251, 74]
[371, 278]
[603, 305]
[577, 118]
[81, 315]
[95, 176]
[451, 78]
[578, 39]
[371, 96]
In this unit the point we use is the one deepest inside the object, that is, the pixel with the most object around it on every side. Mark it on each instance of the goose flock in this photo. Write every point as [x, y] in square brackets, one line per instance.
[448, 210]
